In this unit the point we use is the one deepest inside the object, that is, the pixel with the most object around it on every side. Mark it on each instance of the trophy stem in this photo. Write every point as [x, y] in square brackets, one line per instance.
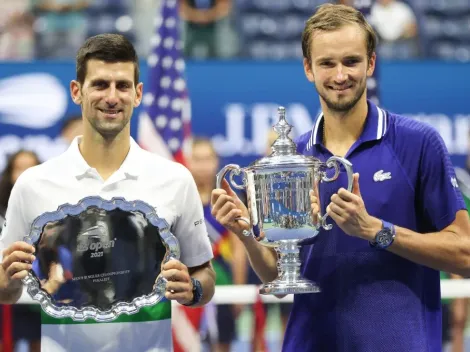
[289, 280]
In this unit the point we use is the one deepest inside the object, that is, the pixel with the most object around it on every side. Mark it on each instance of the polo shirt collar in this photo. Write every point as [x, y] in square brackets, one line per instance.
[131, 167]
[375, 127]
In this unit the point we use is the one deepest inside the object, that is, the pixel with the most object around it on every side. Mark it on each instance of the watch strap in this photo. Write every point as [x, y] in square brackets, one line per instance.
[197, 292]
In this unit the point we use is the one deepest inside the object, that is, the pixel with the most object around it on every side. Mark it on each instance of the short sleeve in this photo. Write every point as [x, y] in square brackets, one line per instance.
[15, 226]
[408, 14]
[439, 195]
[190, 227]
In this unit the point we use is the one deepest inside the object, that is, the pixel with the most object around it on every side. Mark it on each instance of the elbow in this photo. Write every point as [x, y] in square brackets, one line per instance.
[210, 290]
[463, 263]
[466, 270]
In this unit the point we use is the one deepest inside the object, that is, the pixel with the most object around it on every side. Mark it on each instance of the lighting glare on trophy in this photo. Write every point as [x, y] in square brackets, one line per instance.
[278, 200]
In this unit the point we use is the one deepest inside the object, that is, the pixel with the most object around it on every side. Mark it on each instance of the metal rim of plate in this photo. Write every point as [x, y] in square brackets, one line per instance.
[278, 287]
[90, 312]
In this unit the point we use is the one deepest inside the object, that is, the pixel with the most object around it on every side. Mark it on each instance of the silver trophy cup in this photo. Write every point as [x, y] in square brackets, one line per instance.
[99, 259]
[278, 201]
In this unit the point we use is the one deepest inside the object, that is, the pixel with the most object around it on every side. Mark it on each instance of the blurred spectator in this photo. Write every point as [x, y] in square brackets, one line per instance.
[463, 177]
[16, 30]
[229, 254]
[26, 318]
[60, 27]
[396, 27]
[457, 309]
[71, 128]
[208, 31]
[454, 320]
[16, 165]
[144, 12]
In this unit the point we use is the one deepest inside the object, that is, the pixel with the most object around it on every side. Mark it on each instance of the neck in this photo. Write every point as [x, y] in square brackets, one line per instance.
[343, 129]
[105, 155]
[205, 191]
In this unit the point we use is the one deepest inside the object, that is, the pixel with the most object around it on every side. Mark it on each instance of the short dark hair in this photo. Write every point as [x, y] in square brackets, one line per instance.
[70, 121]
[108, 47]
[330, 17]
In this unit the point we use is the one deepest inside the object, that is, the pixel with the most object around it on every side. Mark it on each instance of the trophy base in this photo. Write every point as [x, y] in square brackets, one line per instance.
[278, 287]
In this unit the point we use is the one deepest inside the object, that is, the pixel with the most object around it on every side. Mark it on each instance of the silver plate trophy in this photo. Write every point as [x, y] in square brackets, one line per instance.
[278, 199]
[99, 259]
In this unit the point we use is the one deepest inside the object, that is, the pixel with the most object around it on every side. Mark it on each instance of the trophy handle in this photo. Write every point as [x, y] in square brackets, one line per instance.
[333, 162]
[235, 170]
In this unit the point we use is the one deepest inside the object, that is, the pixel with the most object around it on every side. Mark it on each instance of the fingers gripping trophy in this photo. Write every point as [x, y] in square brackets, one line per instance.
[278, 200]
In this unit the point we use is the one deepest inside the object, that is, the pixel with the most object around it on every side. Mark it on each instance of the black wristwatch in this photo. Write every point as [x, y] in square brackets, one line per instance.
[197, 292]
[385, 237]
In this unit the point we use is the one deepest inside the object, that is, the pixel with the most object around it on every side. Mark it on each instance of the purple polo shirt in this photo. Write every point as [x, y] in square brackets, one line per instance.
[373, 300]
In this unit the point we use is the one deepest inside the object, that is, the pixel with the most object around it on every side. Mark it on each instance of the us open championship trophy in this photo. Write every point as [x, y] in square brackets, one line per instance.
[99, 259]
[278, 202]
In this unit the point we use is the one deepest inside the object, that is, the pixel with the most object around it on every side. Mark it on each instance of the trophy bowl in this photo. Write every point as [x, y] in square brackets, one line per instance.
[98, 259]
[278, 200]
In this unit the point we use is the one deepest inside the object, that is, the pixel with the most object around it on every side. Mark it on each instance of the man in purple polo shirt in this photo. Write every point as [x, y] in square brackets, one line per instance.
[404, 220]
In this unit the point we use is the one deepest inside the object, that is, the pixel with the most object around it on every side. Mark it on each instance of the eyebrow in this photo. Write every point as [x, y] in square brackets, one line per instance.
[349, 57]
[354, 57]
[102, 80]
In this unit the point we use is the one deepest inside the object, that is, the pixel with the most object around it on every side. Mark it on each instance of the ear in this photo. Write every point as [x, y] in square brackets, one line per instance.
[371, 65]
[138, 94]
[75, 92]
[308, 71]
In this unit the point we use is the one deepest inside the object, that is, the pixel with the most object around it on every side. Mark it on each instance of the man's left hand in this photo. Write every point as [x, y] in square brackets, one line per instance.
[348, 211]
[179, 286]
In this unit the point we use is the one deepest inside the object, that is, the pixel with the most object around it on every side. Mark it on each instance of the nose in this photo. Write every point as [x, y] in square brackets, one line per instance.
[112, 98]
[340, 76]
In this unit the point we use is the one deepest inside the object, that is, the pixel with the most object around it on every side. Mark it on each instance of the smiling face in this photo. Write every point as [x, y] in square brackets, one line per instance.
[108, 97]
[339, 66]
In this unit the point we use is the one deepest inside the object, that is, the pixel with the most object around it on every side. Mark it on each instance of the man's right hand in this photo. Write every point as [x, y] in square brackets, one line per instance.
[16, 263]
[227, 207]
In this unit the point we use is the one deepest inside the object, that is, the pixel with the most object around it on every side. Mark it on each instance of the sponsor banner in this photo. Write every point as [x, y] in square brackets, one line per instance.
[234, 103]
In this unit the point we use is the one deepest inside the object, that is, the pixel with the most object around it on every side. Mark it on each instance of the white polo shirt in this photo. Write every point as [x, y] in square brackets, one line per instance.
[164, 184]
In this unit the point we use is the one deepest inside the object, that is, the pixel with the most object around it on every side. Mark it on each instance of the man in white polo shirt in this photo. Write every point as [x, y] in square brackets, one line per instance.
[106, 162]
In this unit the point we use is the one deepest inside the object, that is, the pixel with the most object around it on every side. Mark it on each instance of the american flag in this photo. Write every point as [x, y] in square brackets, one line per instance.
[164, 128]
[164, 124]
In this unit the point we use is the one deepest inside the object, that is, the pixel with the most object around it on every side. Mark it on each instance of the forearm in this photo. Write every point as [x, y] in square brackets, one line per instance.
[442, 251]
[410, 31]
[47, 6]
[447, 250]
[9, 292]
[81, 5]
[263, 259]
[189, 13]
[51, 286]
[239, 261]
[221, 9]
[206, 276]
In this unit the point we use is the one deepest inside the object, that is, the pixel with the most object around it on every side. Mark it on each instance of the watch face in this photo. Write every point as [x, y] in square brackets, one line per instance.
[384, 237]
